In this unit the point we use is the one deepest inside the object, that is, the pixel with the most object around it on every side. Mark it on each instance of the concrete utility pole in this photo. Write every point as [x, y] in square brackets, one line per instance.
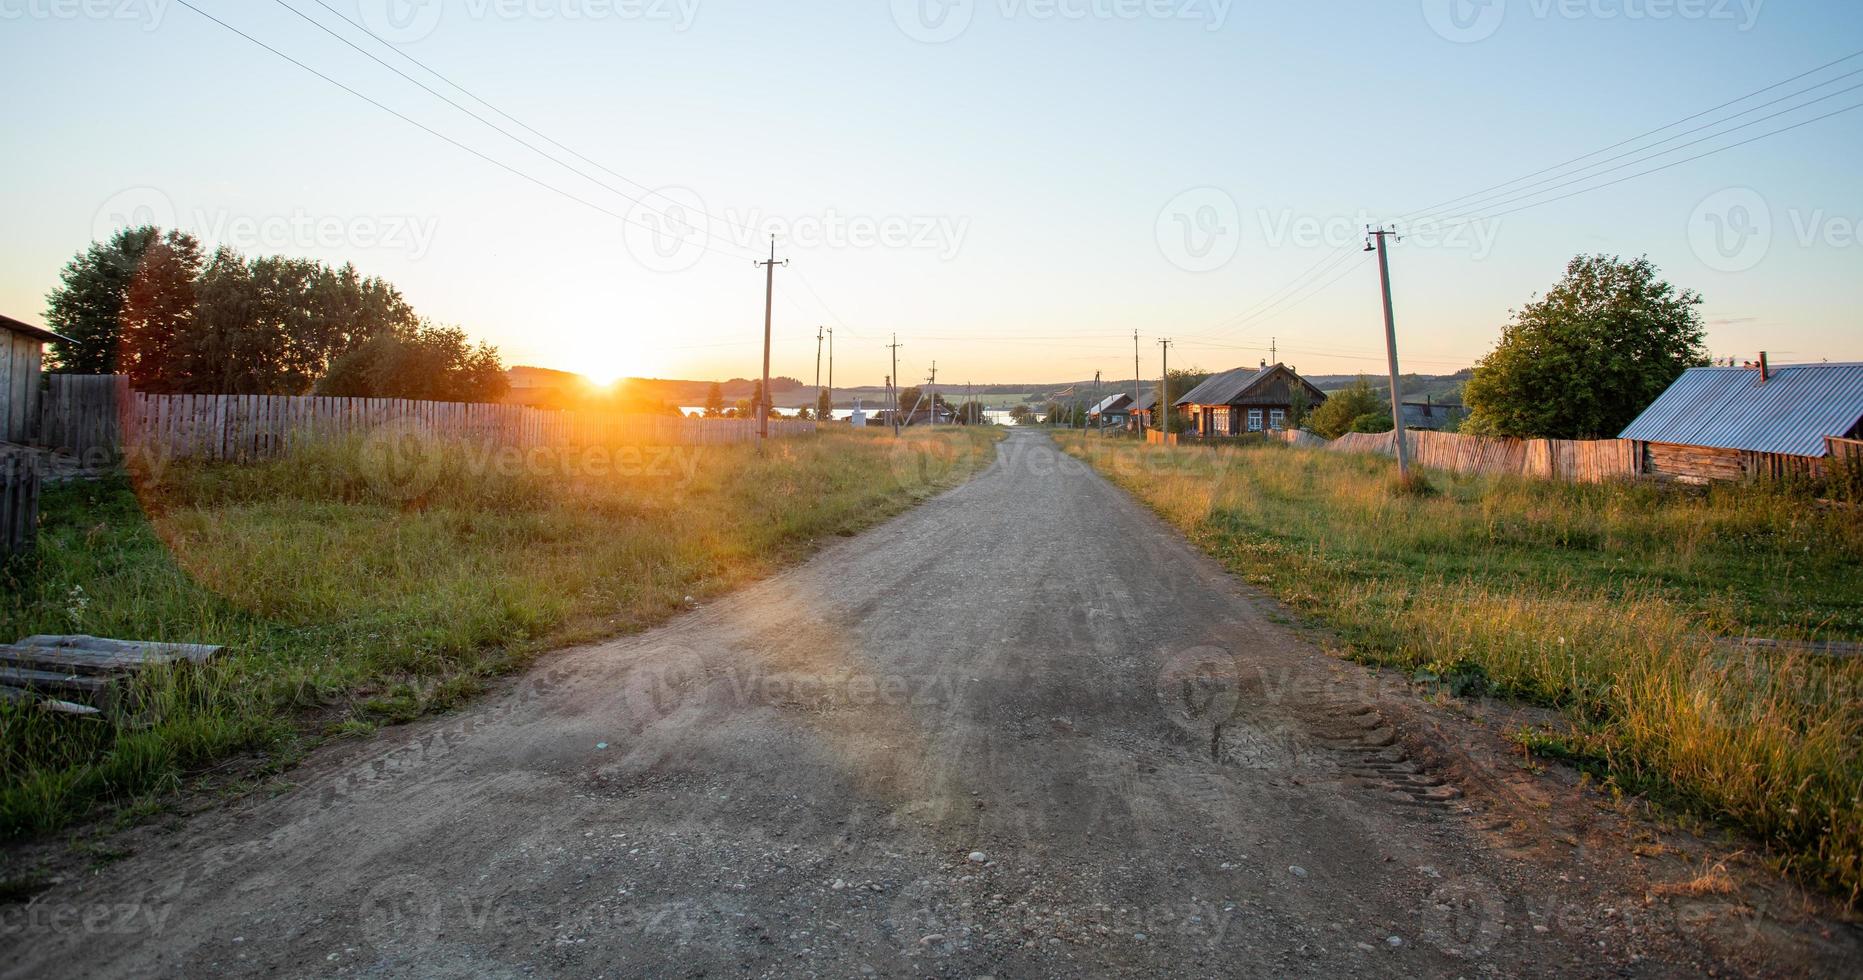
[1164, 386]
[892, 391]
[769, 295]
[1390, 344]
[818, 364]
[1096, 401]
[1137, 377]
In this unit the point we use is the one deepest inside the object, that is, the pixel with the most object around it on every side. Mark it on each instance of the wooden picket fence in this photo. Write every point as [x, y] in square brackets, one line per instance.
[244, 427]
[1577, 461]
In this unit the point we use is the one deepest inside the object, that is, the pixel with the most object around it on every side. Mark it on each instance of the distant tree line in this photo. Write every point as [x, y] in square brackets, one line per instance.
[150, 304]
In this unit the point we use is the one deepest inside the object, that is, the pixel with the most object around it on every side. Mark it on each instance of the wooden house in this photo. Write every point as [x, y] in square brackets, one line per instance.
[22, 348]
[1243, 400]
[1112, 412]
[1733, 423]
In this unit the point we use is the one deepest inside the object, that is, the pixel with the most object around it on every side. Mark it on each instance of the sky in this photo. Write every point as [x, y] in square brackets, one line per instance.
[1012, 187]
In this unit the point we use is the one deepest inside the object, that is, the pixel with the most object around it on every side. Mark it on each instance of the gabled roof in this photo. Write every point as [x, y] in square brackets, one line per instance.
[1110, 403]
[1730, 408]
[1146, 402]
[1230, 387]
[1220, 389]
[38, 333]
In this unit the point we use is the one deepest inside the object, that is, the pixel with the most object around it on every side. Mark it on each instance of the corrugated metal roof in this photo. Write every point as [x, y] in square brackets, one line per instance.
[1223, 388]
[1730, 408]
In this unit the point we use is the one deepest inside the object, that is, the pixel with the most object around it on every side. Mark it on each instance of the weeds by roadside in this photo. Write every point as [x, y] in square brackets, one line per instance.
[353, 595]
[1603, 601]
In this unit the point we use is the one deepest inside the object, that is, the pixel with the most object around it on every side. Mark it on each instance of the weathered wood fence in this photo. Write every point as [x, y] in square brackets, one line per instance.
[92, 415]
[1577, 461]
[83, 414]
[19, 503]
[238, 427]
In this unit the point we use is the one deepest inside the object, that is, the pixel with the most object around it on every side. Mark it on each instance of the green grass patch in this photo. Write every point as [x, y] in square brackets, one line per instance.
[352, 596]
[1602, 601]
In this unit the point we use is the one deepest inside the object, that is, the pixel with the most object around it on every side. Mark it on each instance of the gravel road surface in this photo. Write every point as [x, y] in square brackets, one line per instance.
[1023, 730]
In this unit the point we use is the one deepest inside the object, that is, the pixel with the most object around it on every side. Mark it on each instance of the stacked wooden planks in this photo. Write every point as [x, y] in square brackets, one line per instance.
[83, 675]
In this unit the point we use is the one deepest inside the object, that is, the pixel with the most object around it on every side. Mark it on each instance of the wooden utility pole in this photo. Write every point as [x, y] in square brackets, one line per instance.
[1390, 345]
[769, 295]
[831, 372]
[891, 388]
[1137, 377]
[931, 391]
[818, 364]
[1164, 387]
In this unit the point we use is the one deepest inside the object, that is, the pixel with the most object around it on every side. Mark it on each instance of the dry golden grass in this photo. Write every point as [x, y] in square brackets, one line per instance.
[1603, 601]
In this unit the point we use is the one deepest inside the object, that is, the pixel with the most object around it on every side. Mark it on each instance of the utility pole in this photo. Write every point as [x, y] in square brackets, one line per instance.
[1096, 402]
[769, 295]
[1164, 387]
[1390, 345]
[931, 391]
[1274, 350]
[818, 364]
[892, 390]
[831, 372]
[1137, 377]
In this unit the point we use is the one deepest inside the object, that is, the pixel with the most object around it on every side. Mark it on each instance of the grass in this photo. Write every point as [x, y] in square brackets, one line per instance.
[356, 589]
[1601, 601]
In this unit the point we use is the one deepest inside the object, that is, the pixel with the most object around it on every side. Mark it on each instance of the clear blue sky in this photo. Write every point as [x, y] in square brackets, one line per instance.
[1043, 183]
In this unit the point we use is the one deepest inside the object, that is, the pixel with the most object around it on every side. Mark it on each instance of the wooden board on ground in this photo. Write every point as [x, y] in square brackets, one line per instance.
[47, 669]
[133, 653]
[20, 696]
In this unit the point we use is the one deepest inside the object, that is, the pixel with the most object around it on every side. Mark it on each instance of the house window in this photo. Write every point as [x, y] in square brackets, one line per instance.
[1254, 420]
[1277, 419]
[1220, 425]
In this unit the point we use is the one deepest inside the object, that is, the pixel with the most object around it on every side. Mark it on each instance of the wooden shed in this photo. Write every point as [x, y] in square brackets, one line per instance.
[1728, 423]
[22, 350]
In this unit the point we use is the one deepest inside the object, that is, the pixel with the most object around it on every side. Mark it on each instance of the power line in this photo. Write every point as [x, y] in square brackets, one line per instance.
[439, 135]
[474, 97]
[1674, 149]
[1667, 166]
[1633, 139]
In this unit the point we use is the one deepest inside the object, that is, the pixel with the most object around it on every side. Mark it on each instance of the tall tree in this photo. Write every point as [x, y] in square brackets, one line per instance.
[714, 402]
[1586, 359]
[125, 303]
[824, 406]
[428, 364]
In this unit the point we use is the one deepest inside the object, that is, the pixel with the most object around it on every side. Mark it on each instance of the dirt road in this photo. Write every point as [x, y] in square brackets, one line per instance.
[1024, 730]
